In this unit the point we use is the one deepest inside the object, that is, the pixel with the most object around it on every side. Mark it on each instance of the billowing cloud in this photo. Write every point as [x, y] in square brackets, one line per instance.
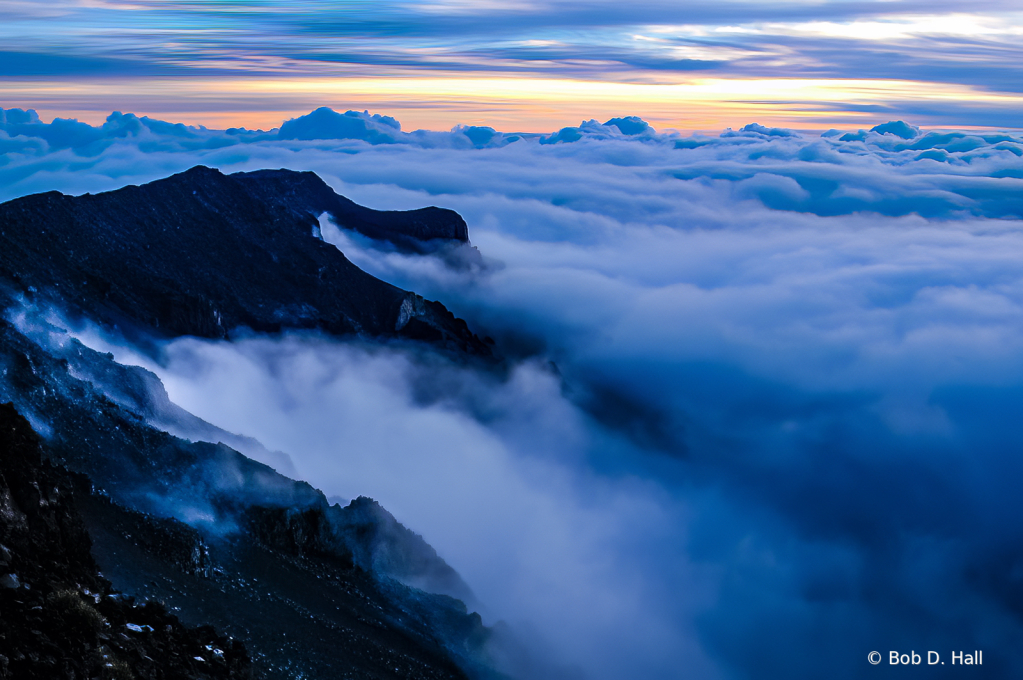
[758, 418]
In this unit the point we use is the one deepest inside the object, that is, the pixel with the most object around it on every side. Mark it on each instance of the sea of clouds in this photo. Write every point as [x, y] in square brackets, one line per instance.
[759, 416]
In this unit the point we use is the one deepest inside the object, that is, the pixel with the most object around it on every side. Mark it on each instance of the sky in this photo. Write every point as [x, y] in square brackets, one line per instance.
[519, 65]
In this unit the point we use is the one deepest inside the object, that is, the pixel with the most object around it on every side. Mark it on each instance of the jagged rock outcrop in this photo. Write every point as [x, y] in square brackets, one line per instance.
[380, 543]
[202, 253]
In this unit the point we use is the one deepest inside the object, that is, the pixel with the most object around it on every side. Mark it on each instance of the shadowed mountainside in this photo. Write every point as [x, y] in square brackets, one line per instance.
[315, 590]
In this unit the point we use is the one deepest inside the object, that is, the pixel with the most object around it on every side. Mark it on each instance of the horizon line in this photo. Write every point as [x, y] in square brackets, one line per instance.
[96, 118]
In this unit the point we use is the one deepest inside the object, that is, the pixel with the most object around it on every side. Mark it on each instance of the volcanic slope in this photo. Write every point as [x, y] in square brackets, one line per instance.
[313, 590]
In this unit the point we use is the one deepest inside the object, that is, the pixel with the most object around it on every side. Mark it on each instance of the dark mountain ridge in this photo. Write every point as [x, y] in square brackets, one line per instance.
[202, 253]
[418, 231]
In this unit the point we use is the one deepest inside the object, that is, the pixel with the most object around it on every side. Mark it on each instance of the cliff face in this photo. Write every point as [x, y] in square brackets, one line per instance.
[202, 253]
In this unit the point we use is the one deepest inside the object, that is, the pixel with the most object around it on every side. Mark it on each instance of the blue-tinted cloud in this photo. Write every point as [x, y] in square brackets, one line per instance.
[324, 123]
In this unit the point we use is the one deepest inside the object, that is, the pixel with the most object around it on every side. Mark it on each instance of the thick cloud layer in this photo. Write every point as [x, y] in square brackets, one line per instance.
[779, 428]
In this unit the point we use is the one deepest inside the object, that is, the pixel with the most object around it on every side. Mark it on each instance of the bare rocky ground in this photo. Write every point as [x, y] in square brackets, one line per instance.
[59, 618]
